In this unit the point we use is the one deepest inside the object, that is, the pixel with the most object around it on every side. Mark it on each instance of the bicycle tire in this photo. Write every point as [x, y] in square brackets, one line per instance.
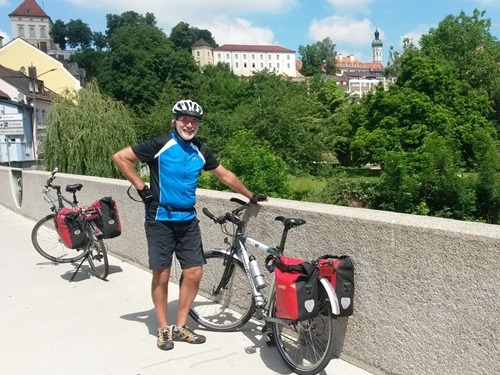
[97, 255]
[307, 346]
[233, 306]
[48, 244]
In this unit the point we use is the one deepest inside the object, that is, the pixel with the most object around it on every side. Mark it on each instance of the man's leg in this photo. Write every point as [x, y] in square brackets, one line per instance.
[159, 294]
[189, 288]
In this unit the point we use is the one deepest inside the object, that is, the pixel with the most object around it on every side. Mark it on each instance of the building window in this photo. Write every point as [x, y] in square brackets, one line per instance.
[21, 31]
[32, 31]
[208, 53]
[219, 55]
[269, 65]
[262, 57]
[277, 57]
[278, 65]
[236, 56]
[236, 65]
[244, 56]
[244, 65]
[227, 56]
[253, 56]
[198, 53]
[288, 57]
[43, 33]
[288, 65]
[253, 65]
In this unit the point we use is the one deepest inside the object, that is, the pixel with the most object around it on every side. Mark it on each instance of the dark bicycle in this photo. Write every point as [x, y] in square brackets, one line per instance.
[49, 244]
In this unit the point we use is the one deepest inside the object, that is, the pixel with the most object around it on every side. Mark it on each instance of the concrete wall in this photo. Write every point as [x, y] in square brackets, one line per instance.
[427, 289]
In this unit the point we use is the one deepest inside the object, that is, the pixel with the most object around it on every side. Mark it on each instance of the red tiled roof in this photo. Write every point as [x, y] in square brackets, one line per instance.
[29, 8]
[252, 48]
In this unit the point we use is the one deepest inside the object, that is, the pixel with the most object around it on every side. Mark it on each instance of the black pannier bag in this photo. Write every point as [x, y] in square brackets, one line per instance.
[339, 270]
[108, 220]
[71, 228]
[296, 289]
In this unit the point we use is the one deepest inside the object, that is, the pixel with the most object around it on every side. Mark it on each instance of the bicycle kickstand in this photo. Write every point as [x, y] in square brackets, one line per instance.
[76, 271]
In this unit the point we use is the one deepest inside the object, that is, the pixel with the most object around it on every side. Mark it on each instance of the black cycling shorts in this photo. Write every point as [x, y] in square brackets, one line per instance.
[166, 238]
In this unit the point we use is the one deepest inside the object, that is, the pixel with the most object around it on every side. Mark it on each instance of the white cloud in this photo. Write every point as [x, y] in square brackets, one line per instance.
[6, 37]
[169, 13]
[4, 2]
[351, 6]
[487, 2]
[238, 31]
[415, 34]
[344, 30]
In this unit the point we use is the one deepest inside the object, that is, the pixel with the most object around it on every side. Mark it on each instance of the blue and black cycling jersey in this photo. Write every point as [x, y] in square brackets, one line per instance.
[175, 166]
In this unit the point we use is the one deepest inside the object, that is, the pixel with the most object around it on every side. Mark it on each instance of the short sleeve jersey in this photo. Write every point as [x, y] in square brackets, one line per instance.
[175, 166]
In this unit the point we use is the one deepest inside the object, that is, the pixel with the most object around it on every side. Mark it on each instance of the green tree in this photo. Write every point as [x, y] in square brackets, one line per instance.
[318, 58]
[138, 63]
[184, 36]
[255, 164]
[79, 34]
[83, 133]
[129, 18]
[99, 40]
[89, 60]
[58, 33]
[467, 42]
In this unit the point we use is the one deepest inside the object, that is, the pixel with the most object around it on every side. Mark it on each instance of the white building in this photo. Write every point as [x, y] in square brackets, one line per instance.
[30, 22]
[245, 60]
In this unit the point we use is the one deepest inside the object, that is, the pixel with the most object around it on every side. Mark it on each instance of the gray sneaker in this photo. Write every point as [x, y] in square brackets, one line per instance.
[186, 334]
[164, 339]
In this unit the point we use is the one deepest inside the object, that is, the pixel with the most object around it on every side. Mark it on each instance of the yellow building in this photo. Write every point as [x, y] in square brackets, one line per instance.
[19, 54]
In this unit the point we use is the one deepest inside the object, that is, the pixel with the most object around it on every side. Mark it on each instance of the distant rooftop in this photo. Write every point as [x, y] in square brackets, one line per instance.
[253, 48]
[29, 8]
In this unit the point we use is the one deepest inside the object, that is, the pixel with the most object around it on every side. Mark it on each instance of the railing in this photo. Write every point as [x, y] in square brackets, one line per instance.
[427, 289]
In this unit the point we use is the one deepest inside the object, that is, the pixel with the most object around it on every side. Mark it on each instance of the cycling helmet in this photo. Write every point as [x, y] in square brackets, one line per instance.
[187, 107]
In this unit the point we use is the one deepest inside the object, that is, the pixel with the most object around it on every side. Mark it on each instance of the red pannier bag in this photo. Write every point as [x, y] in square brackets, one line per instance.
[108, 219]
[71, 228]
[296, 289]
[339, 270]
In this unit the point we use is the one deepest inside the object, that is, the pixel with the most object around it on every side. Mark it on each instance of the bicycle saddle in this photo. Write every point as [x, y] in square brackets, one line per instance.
[73, 188]
[290, 222]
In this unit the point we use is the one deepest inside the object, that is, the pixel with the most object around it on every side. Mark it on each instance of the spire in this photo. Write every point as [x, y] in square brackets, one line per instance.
[377, 42]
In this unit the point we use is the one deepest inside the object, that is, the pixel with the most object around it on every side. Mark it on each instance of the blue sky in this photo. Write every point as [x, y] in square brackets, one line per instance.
[289, 23]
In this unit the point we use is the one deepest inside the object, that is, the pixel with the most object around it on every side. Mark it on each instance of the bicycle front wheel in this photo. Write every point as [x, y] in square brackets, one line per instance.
[47, 242]
[98, 256]
[224, 302]
[307, 346]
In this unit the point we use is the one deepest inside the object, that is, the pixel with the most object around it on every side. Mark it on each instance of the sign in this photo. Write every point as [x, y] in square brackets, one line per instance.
[11, 120]
[13, 131]
[11, 117]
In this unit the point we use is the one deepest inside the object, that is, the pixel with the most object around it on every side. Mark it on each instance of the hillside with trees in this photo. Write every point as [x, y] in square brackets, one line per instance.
[434, 133]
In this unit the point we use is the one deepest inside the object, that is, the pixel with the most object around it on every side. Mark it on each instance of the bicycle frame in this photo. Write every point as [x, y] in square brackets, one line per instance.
[239, 252]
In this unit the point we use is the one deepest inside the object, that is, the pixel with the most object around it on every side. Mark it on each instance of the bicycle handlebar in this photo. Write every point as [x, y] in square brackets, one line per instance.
[231, 216]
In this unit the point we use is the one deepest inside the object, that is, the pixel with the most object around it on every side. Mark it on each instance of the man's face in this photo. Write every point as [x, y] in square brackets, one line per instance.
[187, 126]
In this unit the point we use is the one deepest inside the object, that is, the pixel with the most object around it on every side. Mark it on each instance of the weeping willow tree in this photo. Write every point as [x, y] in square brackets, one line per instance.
[83, 133]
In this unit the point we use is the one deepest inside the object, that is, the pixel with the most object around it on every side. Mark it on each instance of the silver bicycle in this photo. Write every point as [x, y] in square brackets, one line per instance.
[232, 292]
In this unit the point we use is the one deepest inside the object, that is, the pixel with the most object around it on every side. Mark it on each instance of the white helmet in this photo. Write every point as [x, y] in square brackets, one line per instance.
[187, 107]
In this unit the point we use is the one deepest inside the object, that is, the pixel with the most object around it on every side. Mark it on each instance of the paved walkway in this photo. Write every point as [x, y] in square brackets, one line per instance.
[49, 325]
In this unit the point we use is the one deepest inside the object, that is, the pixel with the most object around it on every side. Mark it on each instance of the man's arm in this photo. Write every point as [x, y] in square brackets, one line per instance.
[229, 179]
[125, 160]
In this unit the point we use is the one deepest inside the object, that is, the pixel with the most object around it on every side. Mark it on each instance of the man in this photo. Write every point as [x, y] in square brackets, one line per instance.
[175, 161]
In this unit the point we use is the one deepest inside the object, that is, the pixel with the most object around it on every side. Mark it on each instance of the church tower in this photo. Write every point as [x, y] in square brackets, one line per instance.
[377, 47]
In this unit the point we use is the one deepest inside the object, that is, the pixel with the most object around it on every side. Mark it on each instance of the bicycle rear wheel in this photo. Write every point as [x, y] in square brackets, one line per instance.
[46, 241]
[97, 256]
[222, 305]
[307, 346]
